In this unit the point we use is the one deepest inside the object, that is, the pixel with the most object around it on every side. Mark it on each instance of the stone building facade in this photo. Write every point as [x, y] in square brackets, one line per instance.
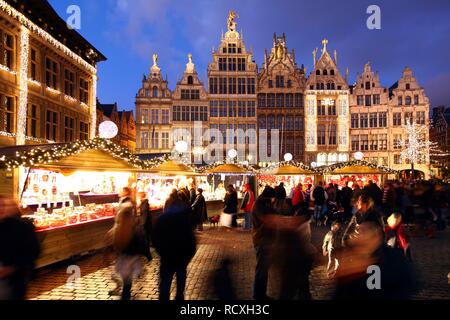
[48, 77]
[321, 119]
[153, 112]
[281, 85]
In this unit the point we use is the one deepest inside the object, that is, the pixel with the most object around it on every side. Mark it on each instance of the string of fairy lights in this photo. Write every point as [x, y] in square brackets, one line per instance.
[341, 165]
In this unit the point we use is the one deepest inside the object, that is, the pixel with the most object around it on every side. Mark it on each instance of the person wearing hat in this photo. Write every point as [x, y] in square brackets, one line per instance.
[247, 205]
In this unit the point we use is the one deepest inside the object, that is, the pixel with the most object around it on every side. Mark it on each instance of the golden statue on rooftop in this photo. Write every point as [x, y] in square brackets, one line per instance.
[324, 42]
[231, 20]
[155, 60]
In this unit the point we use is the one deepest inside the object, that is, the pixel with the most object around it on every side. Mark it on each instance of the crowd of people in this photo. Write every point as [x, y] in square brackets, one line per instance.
[368, 226]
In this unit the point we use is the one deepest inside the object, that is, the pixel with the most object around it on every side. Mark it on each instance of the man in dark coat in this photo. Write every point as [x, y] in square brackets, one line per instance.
[19, 248]
[174, 240]
[200, 210]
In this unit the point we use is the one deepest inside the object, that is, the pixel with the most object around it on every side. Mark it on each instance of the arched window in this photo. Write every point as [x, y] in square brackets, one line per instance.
[325, 72]
[332, 72]
[147, 92]
[318, 86]
[332, 86]
[155, 92]
[343, 157]
[322, 86]
[408, 100]
[329, 86]
[332, 158]
[318, 72]
[190, 80]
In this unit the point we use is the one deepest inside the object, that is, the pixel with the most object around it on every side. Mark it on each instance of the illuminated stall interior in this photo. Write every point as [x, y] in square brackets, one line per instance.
[356, 172]
[290, 174]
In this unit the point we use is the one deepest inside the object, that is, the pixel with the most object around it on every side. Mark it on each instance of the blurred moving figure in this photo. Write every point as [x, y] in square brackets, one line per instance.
[247, 205]
[174, 240]
[125, 243]
[222, 281]
[396, 235]
[19, 248]
[332, 246]
[200, 210]
[229, 218]
[371, 270]
[145, 215]
[262, 241]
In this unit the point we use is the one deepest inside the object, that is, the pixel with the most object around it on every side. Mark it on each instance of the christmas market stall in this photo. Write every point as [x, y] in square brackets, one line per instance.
[160, 176]
[217, 177]
[69, 191]
[289, 173]
[356, 172]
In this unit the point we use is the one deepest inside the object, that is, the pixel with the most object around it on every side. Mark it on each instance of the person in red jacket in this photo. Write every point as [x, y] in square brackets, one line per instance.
[298, 197]
[247, 205]
[395, 234]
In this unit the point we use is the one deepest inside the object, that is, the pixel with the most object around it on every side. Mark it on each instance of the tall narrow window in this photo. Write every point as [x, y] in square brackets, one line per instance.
[69, 83]
[321, 135]
[332, 135]
[69, 129]
[144, 140]
[251, 86]
[51, 73]
[155, 92]
[280, 100]
[261, 100]
[165, 140]
[34, 65]
[190, 80]
[33, 121]
[7, 114]
[51, 125]
[84, 90]
[7, 48]
[84, 130]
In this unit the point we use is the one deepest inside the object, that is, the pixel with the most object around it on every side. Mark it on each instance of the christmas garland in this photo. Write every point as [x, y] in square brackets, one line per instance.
[340, 165]
[299, 165]
[39, 155]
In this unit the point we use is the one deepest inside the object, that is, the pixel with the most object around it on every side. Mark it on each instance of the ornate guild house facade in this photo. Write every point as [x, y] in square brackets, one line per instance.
[320, 118]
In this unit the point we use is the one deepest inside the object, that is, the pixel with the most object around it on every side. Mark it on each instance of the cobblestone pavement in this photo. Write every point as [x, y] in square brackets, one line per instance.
[431, 256]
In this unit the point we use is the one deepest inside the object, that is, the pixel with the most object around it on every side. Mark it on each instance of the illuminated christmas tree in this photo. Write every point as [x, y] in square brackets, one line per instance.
[417, 148]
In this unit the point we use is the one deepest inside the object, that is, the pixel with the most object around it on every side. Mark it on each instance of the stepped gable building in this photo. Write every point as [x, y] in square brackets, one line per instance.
[232, 77]
[153, 109]
[190, 111]
[327, 114]
[281, 85]
[408, 101]
[369, 123]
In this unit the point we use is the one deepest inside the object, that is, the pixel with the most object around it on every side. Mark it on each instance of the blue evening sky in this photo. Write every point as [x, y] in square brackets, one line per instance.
[128, 32]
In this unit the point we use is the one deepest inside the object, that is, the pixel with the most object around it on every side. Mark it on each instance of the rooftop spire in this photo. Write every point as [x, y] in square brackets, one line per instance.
[324, 43]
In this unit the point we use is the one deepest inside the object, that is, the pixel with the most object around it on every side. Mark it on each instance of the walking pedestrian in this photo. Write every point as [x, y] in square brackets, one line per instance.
[247, 205]
[19, 249]
[230, 207]
[319, 196]
[200, 210]
[174, 240]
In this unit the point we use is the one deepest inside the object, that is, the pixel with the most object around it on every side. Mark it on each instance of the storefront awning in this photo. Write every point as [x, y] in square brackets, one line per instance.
[357, 167]
[171, 167]
[286, 170]
[228, 168]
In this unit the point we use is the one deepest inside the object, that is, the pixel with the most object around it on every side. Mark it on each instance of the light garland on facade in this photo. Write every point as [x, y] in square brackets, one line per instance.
[69, 98]
[5, 68]
[23, 87]
[94, 107]
[44, 35]
[53, 91]
[13, 135]
[44, 156]
[35, 82]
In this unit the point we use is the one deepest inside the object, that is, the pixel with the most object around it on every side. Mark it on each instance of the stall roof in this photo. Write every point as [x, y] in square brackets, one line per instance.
[286, 170]
[357, 167]
[171, 167]
[97, 154]
[229, 168]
